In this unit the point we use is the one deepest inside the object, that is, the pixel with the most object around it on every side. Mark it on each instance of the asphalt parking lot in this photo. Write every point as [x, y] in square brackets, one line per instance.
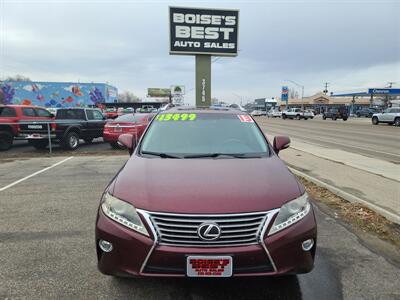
[47, 246]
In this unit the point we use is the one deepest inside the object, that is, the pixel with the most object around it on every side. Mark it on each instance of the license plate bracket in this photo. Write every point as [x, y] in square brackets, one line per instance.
[209, 266]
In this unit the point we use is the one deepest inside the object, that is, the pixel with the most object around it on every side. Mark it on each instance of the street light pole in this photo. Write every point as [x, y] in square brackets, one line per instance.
[302, 91]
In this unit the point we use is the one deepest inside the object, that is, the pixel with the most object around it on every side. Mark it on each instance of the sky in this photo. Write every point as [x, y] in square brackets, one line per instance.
[349, 43]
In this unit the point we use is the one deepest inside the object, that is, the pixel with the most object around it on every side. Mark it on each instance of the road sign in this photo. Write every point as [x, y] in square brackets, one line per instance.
[158, 92]
[285, 93]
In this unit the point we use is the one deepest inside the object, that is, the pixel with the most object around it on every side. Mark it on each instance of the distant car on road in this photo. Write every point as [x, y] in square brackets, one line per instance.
[256, 113]
[335, 114]
[274, 114]
[366, 112]
[11, 115]
[389, 116]
[129, 123]
[297, 113]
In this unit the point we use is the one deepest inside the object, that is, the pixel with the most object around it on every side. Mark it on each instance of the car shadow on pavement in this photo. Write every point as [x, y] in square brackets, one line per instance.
[284, 287]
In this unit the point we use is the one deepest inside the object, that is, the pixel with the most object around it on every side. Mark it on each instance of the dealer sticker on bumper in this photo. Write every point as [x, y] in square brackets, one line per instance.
[209, 266]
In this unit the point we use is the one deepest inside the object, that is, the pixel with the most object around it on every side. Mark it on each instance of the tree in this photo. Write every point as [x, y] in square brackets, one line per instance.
[127, 97]
[18, 78]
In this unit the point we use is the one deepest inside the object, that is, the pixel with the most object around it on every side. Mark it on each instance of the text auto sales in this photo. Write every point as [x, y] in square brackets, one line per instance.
[189, 30]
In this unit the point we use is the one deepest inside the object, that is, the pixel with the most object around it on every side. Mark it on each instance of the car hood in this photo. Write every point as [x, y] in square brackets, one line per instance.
[226, 185]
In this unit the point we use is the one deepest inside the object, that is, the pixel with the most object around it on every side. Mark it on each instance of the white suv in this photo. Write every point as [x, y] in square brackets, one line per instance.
[390, 115]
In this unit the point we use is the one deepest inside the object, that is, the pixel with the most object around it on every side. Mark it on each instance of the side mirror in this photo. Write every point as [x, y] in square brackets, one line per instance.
[280, 143]
[129, 141]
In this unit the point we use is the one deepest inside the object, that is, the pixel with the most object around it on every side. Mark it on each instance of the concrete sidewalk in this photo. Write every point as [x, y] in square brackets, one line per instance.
[371, 165]
[350, 182]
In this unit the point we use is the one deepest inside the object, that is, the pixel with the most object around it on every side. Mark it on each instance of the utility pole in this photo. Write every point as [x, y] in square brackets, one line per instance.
[302, 91]
[326, 88]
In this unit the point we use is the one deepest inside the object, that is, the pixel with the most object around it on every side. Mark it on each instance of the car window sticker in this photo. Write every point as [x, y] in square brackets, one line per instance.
[245, 119]
[176, 117]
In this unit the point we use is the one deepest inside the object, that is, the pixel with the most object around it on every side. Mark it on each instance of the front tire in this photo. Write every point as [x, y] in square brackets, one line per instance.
[6, 140]
[323, 117]
[284, 117]
[334, 118]
[375, 121]
[71, 141]
[397, 122]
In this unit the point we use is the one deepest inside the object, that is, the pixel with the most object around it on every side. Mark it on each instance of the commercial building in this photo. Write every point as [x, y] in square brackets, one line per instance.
[57, 94]
[352, 100]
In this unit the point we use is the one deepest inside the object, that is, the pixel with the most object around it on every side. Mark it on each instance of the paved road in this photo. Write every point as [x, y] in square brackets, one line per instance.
[354, 135]
[47, 246]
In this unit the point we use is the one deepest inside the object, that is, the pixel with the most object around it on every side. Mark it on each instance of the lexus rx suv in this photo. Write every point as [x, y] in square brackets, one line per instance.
[204, 194]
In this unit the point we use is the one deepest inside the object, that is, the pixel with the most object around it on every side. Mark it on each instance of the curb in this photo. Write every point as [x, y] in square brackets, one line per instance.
[349, 197]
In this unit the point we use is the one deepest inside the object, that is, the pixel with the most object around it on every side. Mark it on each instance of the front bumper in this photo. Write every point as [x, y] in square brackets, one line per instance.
[134, 254]
[37, 136]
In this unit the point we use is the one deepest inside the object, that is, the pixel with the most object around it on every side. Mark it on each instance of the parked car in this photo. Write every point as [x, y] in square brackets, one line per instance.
[145, 109]
[335, 113]
[274, 114]
[14, 114]
[389, 116]
[110, 113]
[180, 205]
[297, 113]
[129, 123]
[71, 125]
[366, 112]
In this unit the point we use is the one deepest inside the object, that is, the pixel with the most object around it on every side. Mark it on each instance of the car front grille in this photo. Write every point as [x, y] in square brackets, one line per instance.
[182, 229]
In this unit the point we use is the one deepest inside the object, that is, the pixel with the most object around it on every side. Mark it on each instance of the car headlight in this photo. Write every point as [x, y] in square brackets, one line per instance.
[123, 213]
[291, 213]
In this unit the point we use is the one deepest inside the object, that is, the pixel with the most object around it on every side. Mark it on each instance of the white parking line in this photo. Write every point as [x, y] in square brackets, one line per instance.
[34, 174]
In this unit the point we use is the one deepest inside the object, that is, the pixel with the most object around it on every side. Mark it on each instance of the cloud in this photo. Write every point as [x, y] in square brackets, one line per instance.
[125, 43]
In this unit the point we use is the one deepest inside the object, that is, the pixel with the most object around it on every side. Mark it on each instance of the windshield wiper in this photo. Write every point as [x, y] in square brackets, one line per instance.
[162, 155]
[235, 155]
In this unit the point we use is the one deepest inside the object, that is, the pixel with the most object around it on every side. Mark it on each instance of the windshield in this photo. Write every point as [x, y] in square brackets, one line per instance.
[194, 134]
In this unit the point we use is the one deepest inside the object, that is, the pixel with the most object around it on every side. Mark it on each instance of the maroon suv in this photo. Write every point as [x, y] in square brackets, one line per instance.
[205, 194]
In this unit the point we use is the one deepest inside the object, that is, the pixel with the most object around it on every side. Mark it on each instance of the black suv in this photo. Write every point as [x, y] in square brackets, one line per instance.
[335, 113]
[366, 112]
[71, 125]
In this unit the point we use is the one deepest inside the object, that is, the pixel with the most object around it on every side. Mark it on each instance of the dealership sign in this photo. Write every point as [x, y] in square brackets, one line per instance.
[203, 31]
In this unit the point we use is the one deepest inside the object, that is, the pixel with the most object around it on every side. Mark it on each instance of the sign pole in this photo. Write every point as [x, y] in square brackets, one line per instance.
[203, 80]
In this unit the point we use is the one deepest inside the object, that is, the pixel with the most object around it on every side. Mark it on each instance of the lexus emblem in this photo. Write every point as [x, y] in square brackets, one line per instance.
[209, 231]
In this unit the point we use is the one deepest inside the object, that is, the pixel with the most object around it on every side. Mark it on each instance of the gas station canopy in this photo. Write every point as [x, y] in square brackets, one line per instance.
[369, 92]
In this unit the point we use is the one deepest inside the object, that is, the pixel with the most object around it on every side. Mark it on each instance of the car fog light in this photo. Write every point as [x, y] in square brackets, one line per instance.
[307, 244]
[105, 246]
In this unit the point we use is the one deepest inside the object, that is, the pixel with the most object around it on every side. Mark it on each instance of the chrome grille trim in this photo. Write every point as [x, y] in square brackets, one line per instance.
[236, 229]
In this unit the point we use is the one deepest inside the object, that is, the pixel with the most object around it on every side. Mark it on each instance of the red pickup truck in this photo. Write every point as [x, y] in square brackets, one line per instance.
[11, 115]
